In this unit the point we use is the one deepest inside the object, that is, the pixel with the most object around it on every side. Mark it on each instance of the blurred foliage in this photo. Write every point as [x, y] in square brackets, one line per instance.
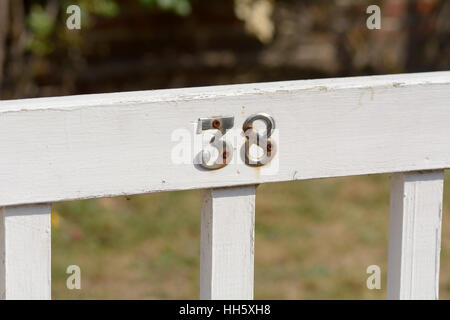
[106, 8]
[42, 25]
[40, 22]
[180, 7]
[141, 44]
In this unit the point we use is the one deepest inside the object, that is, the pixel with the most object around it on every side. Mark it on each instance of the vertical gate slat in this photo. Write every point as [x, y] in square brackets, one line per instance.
[25, 252]
[415, 235]
[227, 243]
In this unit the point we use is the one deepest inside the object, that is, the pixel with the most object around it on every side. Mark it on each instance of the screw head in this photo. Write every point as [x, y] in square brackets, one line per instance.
[216, 123]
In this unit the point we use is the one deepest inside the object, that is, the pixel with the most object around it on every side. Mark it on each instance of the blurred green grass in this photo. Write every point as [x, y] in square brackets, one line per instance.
[314, 240]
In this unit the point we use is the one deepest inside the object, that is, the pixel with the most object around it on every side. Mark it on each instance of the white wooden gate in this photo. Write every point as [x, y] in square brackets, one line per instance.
[77, 147]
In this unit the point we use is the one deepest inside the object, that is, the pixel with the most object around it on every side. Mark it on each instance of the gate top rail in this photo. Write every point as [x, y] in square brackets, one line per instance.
[75, 147]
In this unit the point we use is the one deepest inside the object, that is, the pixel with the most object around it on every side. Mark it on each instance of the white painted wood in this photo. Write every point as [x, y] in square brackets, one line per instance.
[415, 235]
[25, 252]
[227, 243]
[64, 148]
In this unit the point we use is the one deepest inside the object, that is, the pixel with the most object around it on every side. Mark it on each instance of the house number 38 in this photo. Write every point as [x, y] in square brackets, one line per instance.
[252, 137]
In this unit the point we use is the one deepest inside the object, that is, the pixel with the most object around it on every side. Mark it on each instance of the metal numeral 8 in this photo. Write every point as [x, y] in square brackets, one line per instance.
[262, 140]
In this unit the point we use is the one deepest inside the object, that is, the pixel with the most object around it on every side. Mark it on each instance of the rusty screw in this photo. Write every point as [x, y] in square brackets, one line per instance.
[269, 147]
[216, 123]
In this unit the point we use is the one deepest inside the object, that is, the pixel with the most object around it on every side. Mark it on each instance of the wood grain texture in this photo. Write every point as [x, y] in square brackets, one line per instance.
[415, 235]
[227, 243]
[76, 147]
[25, 250]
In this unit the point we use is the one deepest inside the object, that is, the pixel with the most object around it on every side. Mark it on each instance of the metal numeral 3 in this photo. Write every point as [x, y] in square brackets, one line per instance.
[225, 152]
